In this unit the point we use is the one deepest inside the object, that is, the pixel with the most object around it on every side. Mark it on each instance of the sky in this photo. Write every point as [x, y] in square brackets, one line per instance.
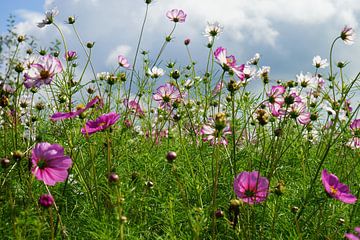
[287, 34]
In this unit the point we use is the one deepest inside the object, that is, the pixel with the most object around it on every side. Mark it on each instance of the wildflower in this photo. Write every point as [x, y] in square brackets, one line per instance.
[254, 60]
[49, 18]
[66, 115]
[70, 55]
[46, 200]
[319, 63]
[355, 130]
[336, 189]
[228, 63]
[215, 130]
[176, 15]
[42, 71]
[213, 30]
[134, 106]
[249, 72]
[347, 35]
[251, 187]
[101, 123]
[264, 74]
[103, 75]
[276, 99]
[166, 95]
[49, 164]
[298, 111]
[217, 88]
[352, 236]
[123, 62]
[156, 72]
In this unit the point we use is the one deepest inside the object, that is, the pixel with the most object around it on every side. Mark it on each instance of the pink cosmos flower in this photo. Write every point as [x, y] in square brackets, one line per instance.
[251, 187]
[354, 142]
[123, 62]
[67, 115]
[336, 189]
[215, 134]
[347, 35]
[298, 111]
[134, 106]
[176, 15]
[42, 71]
[228, 63]
[276, 99]
[101, 123]
[49, 164]
[166, 95]
[352, 236]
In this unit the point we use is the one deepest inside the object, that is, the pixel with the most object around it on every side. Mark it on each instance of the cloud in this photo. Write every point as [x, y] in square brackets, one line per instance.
[287, 33]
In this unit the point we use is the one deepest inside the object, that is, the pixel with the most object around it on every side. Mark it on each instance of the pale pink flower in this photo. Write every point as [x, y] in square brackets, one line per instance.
[212, 31]
[276, 99]
[49, 18]
[213, 134]
[320, 63]
[166, 95]
[134, 106]
[176, 15]
[42, 71]
[123, 62]
[347, 35]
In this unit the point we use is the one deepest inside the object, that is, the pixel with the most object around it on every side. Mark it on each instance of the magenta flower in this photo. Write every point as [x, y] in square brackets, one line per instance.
[276, 99]
[42, 71]
[336, 189]
[298, 111]
[123, 62]
[46, 200]
[251, 187]
[49, 164]
[166, 95]
[66, 115]
[176, 15]
[134, 106]
[101, 123]
[352, 236]
[228, 63]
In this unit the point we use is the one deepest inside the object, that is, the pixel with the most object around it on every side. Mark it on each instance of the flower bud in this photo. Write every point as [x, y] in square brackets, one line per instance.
[71, 20]
[171, 156]
[90, 44]
[187, 41]
[113, 177]
[46, 200]
[21, 38]
[5, 162]
[17, 155]
[219, 213]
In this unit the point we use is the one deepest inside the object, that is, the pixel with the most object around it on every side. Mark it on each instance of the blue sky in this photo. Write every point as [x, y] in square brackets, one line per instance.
[287, 34]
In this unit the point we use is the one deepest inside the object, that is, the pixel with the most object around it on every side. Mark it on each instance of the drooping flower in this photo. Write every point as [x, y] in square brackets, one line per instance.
[101, 123]
[228, 63]
[46, 200]
[123, 62]
[352, 236]
[166, 95]
[176, 15]
[134, 106]
[212, 30]
[156, 72]
[67, 115]
[347, 35]
[215, 130]
[336, 189]
[49, 18]
[49, 164]
[320, 63]
[251, 187]
[42, 71]
[254, 60]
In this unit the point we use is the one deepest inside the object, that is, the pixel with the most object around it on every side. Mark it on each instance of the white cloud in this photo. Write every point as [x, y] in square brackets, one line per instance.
[283, 31]
[119, 50]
